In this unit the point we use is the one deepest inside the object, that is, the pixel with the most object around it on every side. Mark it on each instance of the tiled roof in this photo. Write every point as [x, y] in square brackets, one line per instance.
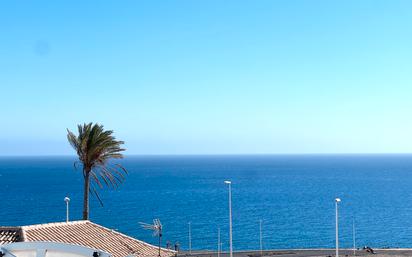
[87, 233]
[9, 235]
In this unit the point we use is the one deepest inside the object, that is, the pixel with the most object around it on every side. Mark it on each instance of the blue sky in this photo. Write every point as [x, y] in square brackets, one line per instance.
[208, 77]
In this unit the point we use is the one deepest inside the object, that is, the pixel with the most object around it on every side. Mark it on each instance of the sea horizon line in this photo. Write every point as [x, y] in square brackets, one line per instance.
[214, 155]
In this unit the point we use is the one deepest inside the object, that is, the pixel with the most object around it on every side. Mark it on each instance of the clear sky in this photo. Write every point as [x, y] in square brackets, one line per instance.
[208, 77]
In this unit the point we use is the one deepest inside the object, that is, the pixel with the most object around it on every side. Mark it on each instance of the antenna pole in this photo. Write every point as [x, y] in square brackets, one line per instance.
[157, 229]
[160, 240]
[159, 243]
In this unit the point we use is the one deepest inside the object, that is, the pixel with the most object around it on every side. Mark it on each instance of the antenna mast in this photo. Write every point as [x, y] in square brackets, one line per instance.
[156, 228]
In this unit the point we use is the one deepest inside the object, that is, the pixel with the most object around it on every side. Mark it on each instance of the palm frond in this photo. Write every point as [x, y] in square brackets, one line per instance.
[95, 193]
[96, 148]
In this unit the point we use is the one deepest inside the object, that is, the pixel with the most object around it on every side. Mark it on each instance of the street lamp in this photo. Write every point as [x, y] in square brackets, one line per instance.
[337, 200]
[229, 183]
[190, 237]
[260, 238]
[218, 242]
[354, 236]
[67, 200]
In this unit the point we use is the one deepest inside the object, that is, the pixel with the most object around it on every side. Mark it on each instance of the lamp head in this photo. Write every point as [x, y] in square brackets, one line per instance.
[67, 199]
[228, 182]
[337, 200]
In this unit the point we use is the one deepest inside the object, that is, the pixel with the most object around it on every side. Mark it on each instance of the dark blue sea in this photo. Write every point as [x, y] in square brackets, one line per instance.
[293, 195]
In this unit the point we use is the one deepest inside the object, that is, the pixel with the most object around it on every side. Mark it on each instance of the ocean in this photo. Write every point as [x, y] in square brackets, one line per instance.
[293, 195]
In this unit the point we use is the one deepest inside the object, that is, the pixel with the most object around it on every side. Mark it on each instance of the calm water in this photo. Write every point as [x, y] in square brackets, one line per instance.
[293, 195]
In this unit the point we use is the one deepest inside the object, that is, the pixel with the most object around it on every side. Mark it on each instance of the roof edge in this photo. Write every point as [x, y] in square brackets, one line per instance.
[140, 241]
[53, 224]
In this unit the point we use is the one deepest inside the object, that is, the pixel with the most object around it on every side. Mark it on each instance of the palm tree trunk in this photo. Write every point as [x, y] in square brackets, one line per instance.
[86, 194]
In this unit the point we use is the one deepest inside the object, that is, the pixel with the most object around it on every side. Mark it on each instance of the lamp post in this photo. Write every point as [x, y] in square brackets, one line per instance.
[229, 183]
[260, 237]
[354, 236]
[67, 200]
[337, 200]
[218, 242]
[190, 238]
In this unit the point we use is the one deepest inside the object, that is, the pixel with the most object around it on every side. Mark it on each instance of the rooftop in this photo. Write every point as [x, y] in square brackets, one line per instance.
[84, 233]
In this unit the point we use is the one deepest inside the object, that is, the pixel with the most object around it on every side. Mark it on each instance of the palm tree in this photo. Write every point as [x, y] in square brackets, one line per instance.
[96, 148]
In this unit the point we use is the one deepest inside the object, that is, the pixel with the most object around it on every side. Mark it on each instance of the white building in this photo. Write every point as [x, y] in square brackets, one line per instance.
[47, 249]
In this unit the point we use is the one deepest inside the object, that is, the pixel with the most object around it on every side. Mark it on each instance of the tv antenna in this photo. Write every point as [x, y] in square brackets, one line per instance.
[156, 227]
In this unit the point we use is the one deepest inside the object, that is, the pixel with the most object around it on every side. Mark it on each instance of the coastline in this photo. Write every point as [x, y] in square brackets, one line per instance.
[320, 252]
